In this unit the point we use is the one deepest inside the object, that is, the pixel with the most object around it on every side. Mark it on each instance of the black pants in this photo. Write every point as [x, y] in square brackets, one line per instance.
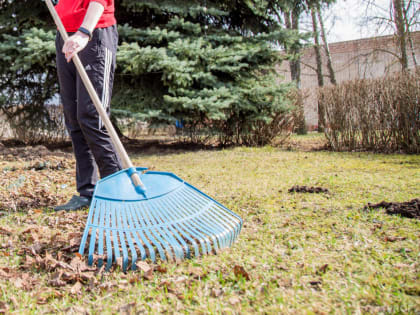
[92, 145]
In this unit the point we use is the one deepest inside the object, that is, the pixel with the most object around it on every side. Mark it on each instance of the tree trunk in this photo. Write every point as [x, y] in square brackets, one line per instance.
[410, 39]
[401, 32]
[291, 19]
[327, 50]
[318, 58]
[316, 49]
[296, 63]
[413, 51]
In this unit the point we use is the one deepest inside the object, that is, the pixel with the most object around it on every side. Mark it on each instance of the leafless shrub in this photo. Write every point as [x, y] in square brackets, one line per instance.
[47, 126]
[299, 123]
[275, 132]
[373, 114]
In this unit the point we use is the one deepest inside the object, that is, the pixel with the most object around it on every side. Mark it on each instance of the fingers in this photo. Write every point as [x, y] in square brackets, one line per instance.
[72, 54]
[69, 54]
[72, 46]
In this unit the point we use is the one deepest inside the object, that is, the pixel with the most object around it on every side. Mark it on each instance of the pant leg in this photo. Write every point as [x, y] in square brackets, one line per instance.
[99, 60]
[86, 169]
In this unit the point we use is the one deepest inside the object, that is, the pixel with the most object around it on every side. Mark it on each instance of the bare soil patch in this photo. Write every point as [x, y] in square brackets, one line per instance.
[307, 189]
[408, 209]
[307, 143]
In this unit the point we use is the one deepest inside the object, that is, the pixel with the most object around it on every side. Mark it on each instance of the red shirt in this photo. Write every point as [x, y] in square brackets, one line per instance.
[72, 13]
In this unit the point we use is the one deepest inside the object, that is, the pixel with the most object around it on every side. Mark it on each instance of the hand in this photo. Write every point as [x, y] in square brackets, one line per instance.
[74, 44]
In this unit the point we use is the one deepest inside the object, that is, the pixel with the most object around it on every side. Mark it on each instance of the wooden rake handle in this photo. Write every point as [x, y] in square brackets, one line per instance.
[126, 162]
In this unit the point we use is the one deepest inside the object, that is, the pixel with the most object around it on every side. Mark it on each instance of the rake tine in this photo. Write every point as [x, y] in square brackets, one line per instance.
[212, 220]
[173, 228]
[176, 230]
[121, 233]
[223, 225]
[237, 228]
[179, 202]
[188, 227]
[203, 225]
[149, 235]
[203, 236]
[128, 235]
[142, 237]
[228, 234]
[222, 218]
[136, 239]
[93, 235]
[215, 231]
[158, 211]
[181, 243]
[108, 238]
[155, 230]
[186, 231]
[207, 229]
[114, 234]
[232, 221]
[101, 237]
[86, 231]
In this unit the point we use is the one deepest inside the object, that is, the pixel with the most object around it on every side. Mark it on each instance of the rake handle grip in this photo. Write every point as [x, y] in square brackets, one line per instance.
[122, 153]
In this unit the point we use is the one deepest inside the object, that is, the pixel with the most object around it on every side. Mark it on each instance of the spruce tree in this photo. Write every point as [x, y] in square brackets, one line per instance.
[209, 64]
[27, 64]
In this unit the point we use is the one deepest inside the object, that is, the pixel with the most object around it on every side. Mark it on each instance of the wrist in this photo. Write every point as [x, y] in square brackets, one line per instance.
[84, 32]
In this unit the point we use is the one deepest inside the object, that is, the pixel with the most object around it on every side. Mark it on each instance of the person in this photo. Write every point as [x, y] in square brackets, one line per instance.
[92, 30]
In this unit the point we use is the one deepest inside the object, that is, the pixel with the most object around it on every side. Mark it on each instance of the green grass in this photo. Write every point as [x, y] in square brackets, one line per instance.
[304, 253]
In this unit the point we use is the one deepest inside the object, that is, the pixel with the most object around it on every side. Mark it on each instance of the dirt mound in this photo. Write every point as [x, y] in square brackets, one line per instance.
[408, 209]
[307, 189]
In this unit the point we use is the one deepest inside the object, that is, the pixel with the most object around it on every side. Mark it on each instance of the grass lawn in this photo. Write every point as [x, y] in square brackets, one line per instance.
[299, 252]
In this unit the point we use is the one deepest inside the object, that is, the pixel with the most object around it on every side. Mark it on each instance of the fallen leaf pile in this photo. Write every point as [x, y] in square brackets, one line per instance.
[34, 185]
[28, 153]
[50, 266]
[46, 249]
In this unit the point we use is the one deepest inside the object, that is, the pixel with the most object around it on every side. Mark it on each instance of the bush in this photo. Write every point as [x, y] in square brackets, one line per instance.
[299, 122]
[45, 126]
[373, 114]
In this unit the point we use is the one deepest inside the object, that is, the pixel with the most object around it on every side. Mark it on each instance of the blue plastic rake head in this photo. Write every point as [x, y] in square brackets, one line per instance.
[172, 220]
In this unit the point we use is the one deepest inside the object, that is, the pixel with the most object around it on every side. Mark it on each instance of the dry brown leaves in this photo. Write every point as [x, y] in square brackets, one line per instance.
[239, 271]
[49, 262]
[3, 307]
[34, 185]
[146, 269]
[50, 266]
[28, 153]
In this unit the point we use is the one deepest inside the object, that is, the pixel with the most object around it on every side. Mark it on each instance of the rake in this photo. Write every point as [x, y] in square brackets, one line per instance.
[139, 214]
